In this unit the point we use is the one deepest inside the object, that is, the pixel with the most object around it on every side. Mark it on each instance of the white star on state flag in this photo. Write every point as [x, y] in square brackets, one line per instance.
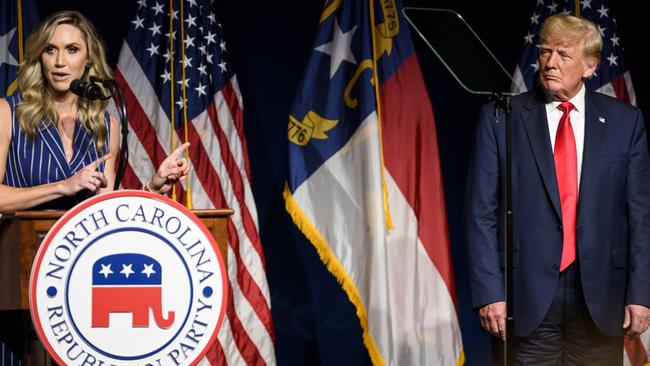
[126, 270]
[339, 48]
[106, 270]
[5, 55]
[148, 270]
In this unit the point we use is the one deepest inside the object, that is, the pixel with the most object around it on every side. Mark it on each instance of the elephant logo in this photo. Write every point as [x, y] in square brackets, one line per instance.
[128, 283]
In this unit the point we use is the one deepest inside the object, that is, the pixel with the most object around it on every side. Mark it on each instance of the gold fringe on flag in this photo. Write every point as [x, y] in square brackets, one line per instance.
[335, 268]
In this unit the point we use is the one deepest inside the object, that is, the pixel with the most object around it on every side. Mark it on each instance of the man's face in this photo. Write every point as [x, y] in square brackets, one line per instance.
[562, 68]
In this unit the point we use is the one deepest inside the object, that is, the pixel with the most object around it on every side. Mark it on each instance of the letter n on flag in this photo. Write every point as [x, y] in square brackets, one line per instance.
[364, 183]
[186, 90]
[611, 78]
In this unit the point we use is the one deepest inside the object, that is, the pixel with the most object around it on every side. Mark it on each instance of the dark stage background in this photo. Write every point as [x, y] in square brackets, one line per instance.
[269, 42]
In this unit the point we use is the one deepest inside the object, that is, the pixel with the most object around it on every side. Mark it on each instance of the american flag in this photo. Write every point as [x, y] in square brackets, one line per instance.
[7, 358]
[611, 78]
[186, 90]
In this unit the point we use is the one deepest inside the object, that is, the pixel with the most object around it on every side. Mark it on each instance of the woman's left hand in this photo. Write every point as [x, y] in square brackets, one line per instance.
[172, 170]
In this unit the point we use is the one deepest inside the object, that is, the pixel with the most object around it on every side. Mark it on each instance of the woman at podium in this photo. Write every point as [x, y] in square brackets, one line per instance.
[57, 148]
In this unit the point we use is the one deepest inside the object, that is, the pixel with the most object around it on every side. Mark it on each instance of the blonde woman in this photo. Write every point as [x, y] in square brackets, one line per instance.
[57, 149]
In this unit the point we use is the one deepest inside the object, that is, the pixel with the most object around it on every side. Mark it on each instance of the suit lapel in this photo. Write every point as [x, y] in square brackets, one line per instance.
[594, 139]
[536, 127]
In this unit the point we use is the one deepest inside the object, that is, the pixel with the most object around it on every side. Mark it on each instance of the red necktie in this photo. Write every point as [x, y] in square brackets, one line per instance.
[566, 168]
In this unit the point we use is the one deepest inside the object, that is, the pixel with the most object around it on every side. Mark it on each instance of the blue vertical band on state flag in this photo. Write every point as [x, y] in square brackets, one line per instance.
[336, 93]
[9, 33]
[400, 46]
[611, 64]
[342, 44]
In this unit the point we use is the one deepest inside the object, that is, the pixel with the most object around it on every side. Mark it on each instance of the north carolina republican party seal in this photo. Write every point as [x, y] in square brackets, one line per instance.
[128, 278]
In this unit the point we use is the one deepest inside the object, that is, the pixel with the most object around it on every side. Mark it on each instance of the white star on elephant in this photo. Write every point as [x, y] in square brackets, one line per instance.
[126, 270]
[148, 270]
[106, 270]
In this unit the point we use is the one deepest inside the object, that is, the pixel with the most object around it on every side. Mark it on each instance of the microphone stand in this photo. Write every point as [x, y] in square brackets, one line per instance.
[123, 157]
[503, 102]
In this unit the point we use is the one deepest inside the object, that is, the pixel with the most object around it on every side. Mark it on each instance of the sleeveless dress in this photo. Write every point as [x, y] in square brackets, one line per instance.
[42, 160]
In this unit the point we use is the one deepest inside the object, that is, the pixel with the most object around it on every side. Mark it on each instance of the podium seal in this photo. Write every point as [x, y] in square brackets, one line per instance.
[128, 278]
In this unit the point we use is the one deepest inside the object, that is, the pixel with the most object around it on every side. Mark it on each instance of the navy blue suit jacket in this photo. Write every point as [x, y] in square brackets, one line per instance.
[613, 223]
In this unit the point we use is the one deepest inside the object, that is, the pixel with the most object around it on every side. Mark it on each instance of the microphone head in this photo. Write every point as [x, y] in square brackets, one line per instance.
[77, 87]
[90, 91]
[93, 91]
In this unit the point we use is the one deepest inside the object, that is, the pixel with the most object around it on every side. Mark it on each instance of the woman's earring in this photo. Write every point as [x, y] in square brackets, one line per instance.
[86, 69]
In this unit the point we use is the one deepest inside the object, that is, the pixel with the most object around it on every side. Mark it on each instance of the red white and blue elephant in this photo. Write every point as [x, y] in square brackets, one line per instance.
[128, 283]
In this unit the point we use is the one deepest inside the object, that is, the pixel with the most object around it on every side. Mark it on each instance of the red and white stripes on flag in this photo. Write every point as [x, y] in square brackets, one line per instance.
[218, 157]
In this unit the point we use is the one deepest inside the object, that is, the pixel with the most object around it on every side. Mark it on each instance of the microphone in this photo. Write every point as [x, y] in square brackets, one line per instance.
[90, 91]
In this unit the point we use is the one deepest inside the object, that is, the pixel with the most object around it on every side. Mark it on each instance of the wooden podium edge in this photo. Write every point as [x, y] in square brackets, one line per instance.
[30, 227]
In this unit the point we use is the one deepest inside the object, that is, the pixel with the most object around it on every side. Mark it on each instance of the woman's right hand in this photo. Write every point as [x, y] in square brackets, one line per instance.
[87, 178]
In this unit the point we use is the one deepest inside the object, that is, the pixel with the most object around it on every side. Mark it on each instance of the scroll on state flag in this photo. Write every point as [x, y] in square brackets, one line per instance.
[180, 86]
[611, 78]
[364, 183]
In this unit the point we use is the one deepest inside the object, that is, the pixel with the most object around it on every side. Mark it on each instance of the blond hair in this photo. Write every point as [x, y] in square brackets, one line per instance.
[36, 105]
[571, 30]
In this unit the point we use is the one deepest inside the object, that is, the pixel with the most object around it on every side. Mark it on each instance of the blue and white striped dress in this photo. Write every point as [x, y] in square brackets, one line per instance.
[42, 160]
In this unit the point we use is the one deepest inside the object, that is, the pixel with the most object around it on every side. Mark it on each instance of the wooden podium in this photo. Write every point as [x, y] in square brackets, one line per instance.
[21, 234]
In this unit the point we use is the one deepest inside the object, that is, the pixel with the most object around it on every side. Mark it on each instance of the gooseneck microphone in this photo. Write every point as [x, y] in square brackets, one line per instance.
[89, 90]
[94, 89]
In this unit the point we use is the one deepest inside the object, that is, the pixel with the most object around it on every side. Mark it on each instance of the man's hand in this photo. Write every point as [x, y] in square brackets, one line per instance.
[636, 320]
[493, 318]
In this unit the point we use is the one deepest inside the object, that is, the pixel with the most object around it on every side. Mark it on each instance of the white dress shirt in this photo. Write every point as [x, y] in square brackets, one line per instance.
[577, 117]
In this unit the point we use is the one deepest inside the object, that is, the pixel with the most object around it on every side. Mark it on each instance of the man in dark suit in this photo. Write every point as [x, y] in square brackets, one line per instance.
[581, 203]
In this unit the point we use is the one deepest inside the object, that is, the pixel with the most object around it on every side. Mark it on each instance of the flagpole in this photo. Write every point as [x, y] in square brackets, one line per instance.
[171, 84]
[188, 192]
[384, 189]
[503, 102]
[20, 31]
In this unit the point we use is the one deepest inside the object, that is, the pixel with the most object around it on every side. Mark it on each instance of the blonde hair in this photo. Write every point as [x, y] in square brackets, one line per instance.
[36, 105]
[571, 30]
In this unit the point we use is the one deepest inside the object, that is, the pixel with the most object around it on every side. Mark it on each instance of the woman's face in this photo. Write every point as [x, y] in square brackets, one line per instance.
[64, 57]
